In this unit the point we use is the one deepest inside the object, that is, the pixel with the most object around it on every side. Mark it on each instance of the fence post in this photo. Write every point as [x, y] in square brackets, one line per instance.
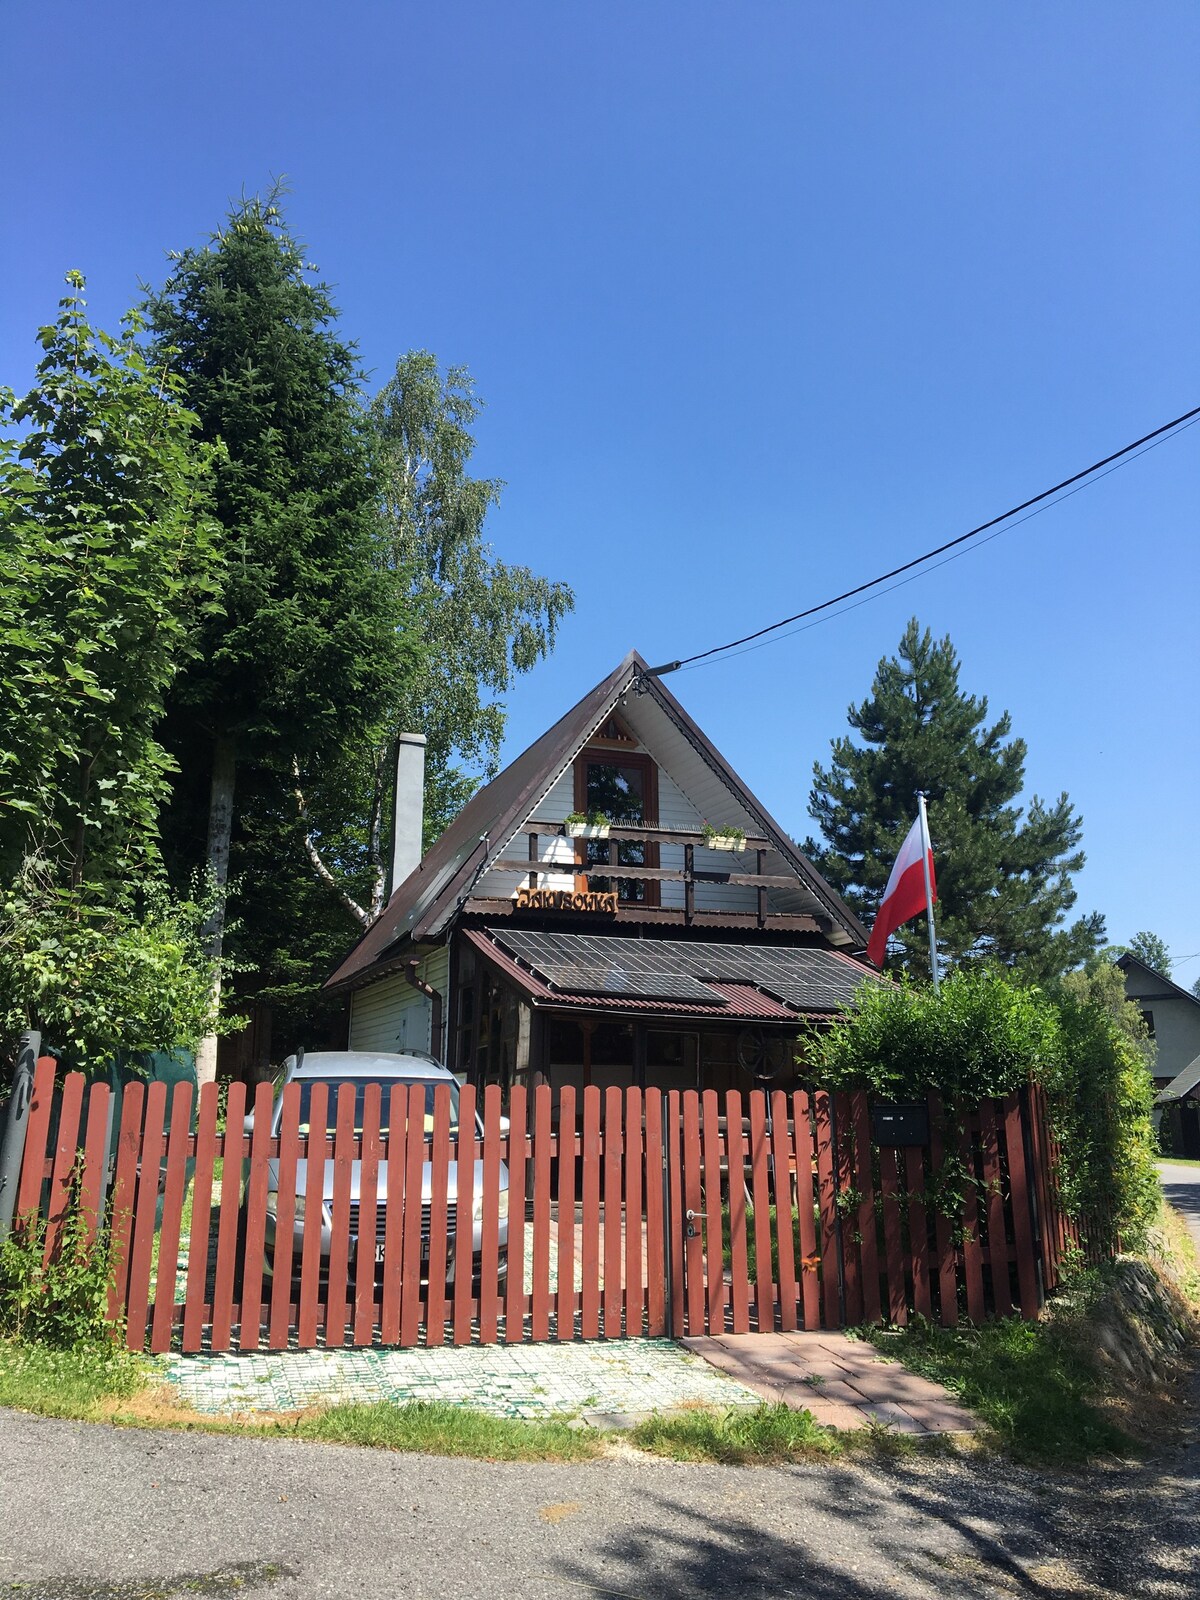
[12, 1147]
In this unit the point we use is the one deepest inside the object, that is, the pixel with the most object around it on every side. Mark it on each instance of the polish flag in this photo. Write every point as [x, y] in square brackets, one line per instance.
[904, 896]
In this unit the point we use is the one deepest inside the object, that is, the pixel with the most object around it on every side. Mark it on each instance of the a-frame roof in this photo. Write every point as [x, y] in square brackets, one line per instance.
[1173, 991]
[423, 905]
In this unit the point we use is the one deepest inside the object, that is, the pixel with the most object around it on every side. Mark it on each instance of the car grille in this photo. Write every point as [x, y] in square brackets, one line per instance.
[381, 1220]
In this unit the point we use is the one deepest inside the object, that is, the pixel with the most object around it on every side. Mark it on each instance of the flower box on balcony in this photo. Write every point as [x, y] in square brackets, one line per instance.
[731, 839]
[588, 827]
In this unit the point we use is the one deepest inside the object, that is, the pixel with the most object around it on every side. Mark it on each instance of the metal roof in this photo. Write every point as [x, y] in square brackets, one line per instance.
[675, 977]
[1181, 1085]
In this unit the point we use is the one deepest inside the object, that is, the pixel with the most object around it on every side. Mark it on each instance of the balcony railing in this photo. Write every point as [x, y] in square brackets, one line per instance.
[760, 879]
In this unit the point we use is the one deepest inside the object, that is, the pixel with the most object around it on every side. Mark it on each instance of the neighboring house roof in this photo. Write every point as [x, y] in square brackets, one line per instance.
[735, 982]
[428, 899]
[1181, 1085]
[1171, 990]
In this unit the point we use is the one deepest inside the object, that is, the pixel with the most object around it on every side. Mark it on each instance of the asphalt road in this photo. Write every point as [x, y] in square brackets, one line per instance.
[97, 1513]
[1181, 1185]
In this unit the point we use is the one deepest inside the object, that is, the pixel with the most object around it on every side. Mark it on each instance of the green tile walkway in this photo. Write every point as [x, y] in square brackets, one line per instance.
[627, 1377]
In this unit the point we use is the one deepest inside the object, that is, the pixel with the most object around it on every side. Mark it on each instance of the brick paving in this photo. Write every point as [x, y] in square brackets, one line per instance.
[844, 1382]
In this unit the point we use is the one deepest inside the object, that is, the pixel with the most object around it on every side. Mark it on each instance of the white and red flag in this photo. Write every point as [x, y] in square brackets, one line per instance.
[911, 888]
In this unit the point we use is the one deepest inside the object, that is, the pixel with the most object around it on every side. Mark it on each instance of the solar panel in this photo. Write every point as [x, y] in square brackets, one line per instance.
[674, 969]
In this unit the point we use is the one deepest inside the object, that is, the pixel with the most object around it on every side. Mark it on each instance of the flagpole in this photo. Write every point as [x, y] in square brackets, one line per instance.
[926, 847]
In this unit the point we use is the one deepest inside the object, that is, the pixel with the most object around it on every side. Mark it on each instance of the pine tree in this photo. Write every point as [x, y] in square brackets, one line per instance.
[308, 654]
[1003, 873]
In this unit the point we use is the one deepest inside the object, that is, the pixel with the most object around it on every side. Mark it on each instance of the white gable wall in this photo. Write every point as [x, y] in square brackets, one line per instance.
[392, 1015]
[707, 799]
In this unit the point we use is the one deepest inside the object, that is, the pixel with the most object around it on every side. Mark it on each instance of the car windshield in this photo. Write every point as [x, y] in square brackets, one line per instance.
[429, 1085]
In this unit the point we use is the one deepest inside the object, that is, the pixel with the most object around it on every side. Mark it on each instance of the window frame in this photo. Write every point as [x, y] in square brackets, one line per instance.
[614, 755]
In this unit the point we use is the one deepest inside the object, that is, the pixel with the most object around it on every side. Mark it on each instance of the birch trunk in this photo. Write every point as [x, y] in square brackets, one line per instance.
[220, 828]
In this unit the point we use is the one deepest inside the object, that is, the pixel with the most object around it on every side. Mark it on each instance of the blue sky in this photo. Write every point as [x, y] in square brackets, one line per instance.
[762, 298]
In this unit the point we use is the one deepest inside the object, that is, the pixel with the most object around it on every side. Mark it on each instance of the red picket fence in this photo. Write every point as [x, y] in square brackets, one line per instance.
[629, 1212]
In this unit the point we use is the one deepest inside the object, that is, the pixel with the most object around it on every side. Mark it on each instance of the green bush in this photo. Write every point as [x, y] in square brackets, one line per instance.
[985, 1036]
[60, 1303]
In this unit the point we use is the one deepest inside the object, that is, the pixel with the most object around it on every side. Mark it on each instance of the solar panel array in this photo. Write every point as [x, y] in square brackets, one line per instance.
[672, 969]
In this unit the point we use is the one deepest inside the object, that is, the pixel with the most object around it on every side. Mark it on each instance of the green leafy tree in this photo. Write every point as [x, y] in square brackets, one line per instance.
[483, 620]
[1004, 874]
[109, 565]
[1148, 947]
[310, 653]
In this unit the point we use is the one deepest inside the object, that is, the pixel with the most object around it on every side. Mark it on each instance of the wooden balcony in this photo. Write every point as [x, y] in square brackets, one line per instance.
[760, 879]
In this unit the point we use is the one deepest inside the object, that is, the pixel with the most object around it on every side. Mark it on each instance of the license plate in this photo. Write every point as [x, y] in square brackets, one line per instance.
[378, 1254]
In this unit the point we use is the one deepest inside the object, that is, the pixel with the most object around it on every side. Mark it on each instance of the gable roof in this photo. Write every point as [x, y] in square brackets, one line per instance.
[1128, 959]
[1181, 1085]
[422, 906]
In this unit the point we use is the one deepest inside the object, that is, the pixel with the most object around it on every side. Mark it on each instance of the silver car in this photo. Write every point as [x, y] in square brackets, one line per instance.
[335, 1068]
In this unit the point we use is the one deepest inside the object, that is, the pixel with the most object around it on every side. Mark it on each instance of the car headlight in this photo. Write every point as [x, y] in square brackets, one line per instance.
[501, 1209]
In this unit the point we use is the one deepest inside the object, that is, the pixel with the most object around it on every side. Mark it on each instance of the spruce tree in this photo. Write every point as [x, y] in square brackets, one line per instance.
[308, 654]
[1003, 872]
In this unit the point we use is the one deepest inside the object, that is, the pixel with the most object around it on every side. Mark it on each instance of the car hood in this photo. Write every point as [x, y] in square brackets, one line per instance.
[381, 1183]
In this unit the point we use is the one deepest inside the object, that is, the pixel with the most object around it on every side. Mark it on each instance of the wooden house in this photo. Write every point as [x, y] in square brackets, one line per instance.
[684, 941]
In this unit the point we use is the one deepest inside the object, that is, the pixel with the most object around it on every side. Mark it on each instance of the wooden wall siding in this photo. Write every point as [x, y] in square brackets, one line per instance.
[630, 1213]
[391, 1015]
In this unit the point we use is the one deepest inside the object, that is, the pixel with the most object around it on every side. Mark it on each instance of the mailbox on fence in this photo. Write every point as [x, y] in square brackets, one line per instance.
[900, 1122]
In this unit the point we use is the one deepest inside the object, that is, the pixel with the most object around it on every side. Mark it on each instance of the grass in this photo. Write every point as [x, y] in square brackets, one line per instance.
[81, 1384]
[1031, 1385]
[113, 1386]
[751, 1245]
[765, 1436]
[1177, 1161]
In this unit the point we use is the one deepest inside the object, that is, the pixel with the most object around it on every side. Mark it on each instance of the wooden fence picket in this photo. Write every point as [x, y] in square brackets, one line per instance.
[174, 1187]
[95, 1160]
[489, 1258]
[1027, 1280]
[634, 1235]
[519, 1162]
[714, 1224]
[810, 1287]
[739, 1256]
[947, 1275]
[690, 1232]
[564, 1296]
[66, 1144]
[656, 1299]
[613, 1211]
[785, 1235]
[368, 1214]
[997, 1236]
[37, 1135]
[145, 1207]
[589, 1244]
[283, 1253]
[827, 1206]
[464, 1234]
[868, 1226]
[197, 1291]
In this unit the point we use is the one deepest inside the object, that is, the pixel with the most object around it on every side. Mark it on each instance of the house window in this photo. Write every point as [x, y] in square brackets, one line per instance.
[624, 788]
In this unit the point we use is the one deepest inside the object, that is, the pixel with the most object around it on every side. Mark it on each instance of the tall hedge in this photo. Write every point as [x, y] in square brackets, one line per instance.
[985, 1036]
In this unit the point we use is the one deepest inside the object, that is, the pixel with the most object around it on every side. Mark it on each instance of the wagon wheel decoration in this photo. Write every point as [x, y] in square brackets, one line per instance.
[762, 1054]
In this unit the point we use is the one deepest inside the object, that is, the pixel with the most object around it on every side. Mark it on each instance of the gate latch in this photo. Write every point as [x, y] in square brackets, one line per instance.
[690, 1231]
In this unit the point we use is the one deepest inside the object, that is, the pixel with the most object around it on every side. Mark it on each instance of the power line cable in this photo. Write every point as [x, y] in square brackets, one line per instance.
[831, 616]
[917, 561]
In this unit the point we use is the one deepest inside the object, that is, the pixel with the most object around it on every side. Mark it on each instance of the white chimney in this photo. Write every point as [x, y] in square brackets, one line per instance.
[410, 806]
